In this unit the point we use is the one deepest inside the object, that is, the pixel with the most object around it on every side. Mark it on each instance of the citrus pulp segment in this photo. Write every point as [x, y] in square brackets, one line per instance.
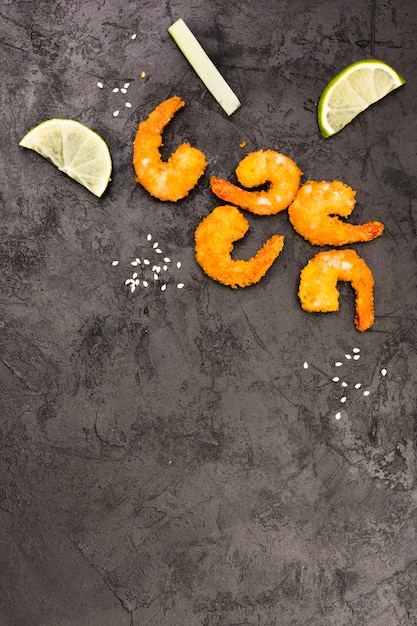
[352, 91]
[74, 149]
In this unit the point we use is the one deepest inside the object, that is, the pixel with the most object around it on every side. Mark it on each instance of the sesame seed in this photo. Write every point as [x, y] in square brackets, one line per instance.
[128, 105]
[158, 251]
[180, 285]
[165, 267]
[133, 36]
[338, 415]
[384, 372]
[100, 85]
[137, 282]
[134, 263]
[167, 259]
[357, 357]
[132, 288]
[358, 385]
[135, 275]
[128, 281]
[344, 384]
[126, 85]
[356, 350]
[123, 90]
[157, 268]
[149, 237]
[155, 276]
[114, 263]
[348, 356]
[366, 393]
[137, 261]
[163, 287]
[338, 364]
[155, 245]
[145, 283]
[336, 379]
[343, 400]
[115, 90]
[305, 365]
[116, 113]
[146, 261]
[178, 264]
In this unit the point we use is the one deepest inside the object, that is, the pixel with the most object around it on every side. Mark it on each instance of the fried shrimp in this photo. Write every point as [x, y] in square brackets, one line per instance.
[214, 239]
[166, 180]
[318, 284]
[313, 215]
[256, 169]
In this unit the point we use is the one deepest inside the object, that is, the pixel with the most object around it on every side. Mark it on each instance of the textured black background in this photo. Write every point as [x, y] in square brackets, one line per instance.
[165, 458]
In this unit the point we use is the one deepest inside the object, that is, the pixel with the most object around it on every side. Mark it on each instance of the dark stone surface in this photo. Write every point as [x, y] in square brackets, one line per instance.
[165, 458]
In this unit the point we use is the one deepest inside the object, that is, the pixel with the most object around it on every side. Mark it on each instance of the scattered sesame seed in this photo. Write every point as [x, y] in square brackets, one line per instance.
[137, 282]
[100, 85]
[158, 251]
[116, 113]
[384, 372]
[366, 393]
[167, 259]
[357, 357]
[155, 276]
[348, 356]
[134, 263]
[145, 283]
[128, 281]
[135, 275]
[123, 90]
[358, 385]
[146, 261]
[137, 261]
[178, 264]
[157, 268]
[305, 365]
[163, 287]
[338, 415]
[126, 85]
[343, 400]
[180, 285]
[356, 350]
[165, 267]
[132, 288]
[115, 90]
[128, 105]
[149, 237]
[338, 364]
[155, 245]
[336, 379]
[133, 36]
[114, 263]
[344, 384]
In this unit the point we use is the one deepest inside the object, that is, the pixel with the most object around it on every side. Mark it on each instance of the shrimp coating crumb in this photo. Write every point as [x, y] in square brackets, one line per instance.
[313, 215]
[318, 284]
[256, 169]
[214, 239]
[168, 180]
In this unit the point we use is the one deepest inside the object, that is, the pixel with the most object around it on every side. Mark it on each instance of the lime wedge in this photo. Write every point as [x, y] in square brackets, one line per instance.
[203, 66]
[352, 91]
[74, 149]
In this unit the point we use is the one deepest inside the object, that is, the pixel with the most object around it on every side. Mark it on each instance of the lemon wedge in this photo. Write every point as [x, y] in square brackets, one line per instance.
[352, 91]
[74, 149]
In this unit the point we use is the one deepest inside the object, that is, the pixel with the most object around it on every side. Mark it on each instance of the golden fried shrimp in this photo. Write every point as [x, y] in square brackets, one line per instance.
[214, 239]
[258, 168]
[318, 284]
[314, 210]
[166, 180]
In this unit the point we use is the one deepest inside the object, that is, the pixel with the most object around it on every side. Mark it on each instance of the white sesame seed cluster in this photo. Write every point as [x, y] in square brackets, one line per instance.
[155, 268]
[120, 88]
[349, 358]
